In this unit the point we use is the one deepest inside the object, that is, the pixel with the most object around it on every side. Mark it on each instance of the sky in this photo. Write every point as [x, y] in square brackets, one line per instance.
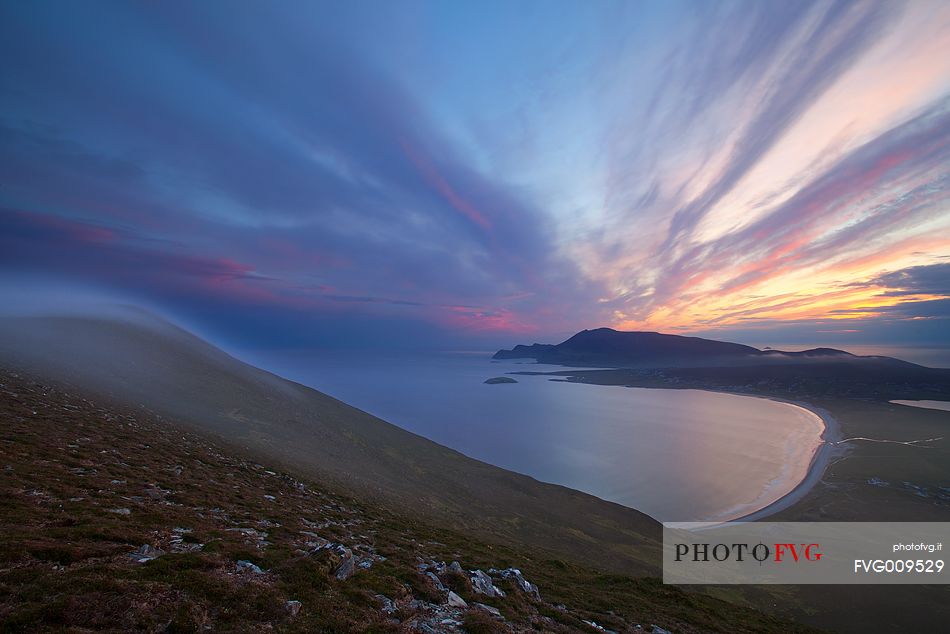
[307, 174]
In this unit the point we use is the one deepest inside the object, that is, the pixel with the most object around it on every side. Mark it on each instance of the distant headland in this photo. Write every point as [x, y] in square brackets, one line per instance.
[613, 348]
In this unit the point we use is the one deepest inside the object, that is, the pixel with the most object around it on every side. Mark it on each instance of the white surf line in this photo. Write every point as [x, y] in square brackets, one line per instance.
[910, 443]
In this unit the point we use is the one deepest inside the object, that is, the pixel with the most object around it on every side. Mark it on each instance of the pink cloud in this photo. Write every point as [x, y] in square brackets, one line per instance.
[435, 180]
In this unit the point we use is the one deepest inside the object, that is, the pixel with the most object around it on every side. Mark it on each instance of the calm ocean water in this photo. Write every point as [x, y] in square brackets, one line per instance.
[674, 454]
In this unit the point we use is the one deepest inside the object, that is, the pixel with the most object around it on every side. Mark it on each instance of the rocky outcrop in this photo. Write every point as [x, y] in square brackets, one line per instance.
[482, 584]
[451, 582]
[520, 582]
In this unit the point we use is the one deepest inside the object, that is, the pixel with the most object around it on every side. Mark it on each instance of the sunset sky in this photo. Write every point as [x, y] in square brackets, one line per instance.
[296, 174]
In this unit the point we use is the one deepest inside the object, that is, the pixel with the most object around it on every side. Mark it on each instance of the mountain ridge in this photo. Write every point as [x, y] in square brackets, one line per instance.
[616, 348]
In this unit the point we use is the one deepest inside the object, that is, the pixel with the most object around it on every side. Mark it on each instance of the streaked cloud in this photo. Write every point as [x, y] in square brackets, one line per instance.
[510, 172]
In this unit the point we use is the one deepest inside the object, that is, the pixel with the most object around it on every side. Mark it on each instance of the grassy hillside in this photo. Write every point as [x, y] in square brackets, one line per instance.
[140, 360]
[117, 519]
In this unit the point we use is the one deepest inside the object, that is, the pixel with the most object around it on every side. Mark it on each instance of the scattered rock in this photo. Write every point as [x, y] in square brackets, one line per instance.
[294, 607]
[249, 532]
[455, 600]
[314, 541]
[388, 606]
[157, 494]
[348, 566]
[243, 564]
[146, 553]
[122, 511]
[178, 544]
[456, 567]
[659, 630]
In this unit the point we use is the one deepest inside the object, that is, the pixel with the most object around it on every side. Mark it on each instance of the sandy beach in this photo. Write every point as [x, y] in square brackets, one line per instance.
[938, 405]
[822, 457]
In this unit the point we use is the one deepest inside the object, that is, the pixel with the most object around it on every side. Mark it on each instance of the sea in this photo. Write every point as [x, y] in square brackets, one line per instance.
[677, 455]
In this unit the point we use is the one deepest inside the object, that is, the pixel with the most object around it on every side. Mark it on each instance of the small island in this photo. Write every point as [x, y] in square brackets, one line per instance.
[500, 379]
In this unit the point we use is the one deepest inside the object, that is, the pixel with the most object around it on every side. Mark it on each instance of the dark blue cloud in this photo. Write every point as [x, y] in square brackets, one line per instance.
[261, 138]
[933, 279]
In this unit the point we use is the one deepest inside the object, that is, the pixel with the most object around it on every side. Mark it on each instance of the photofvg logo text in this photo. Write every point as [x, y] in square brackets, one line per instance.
[804, 552]
[777, 553]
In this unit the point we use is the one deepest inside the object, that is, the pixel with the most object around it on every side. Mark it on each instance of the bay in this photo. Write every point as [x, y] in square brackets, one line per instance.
[678, 455]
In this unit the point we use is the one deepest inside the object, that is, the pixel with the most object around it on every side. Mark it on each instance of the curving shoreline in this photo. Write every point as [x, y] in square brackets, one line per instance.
[820, 461]
[822, 455]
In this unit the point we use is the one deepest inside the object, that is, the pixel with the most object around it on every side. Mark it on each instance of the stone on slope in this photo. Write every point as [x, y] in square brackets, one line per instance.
[456, 601]
[482, 584]
[243, 564]
[495, 612]
[146, 553]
